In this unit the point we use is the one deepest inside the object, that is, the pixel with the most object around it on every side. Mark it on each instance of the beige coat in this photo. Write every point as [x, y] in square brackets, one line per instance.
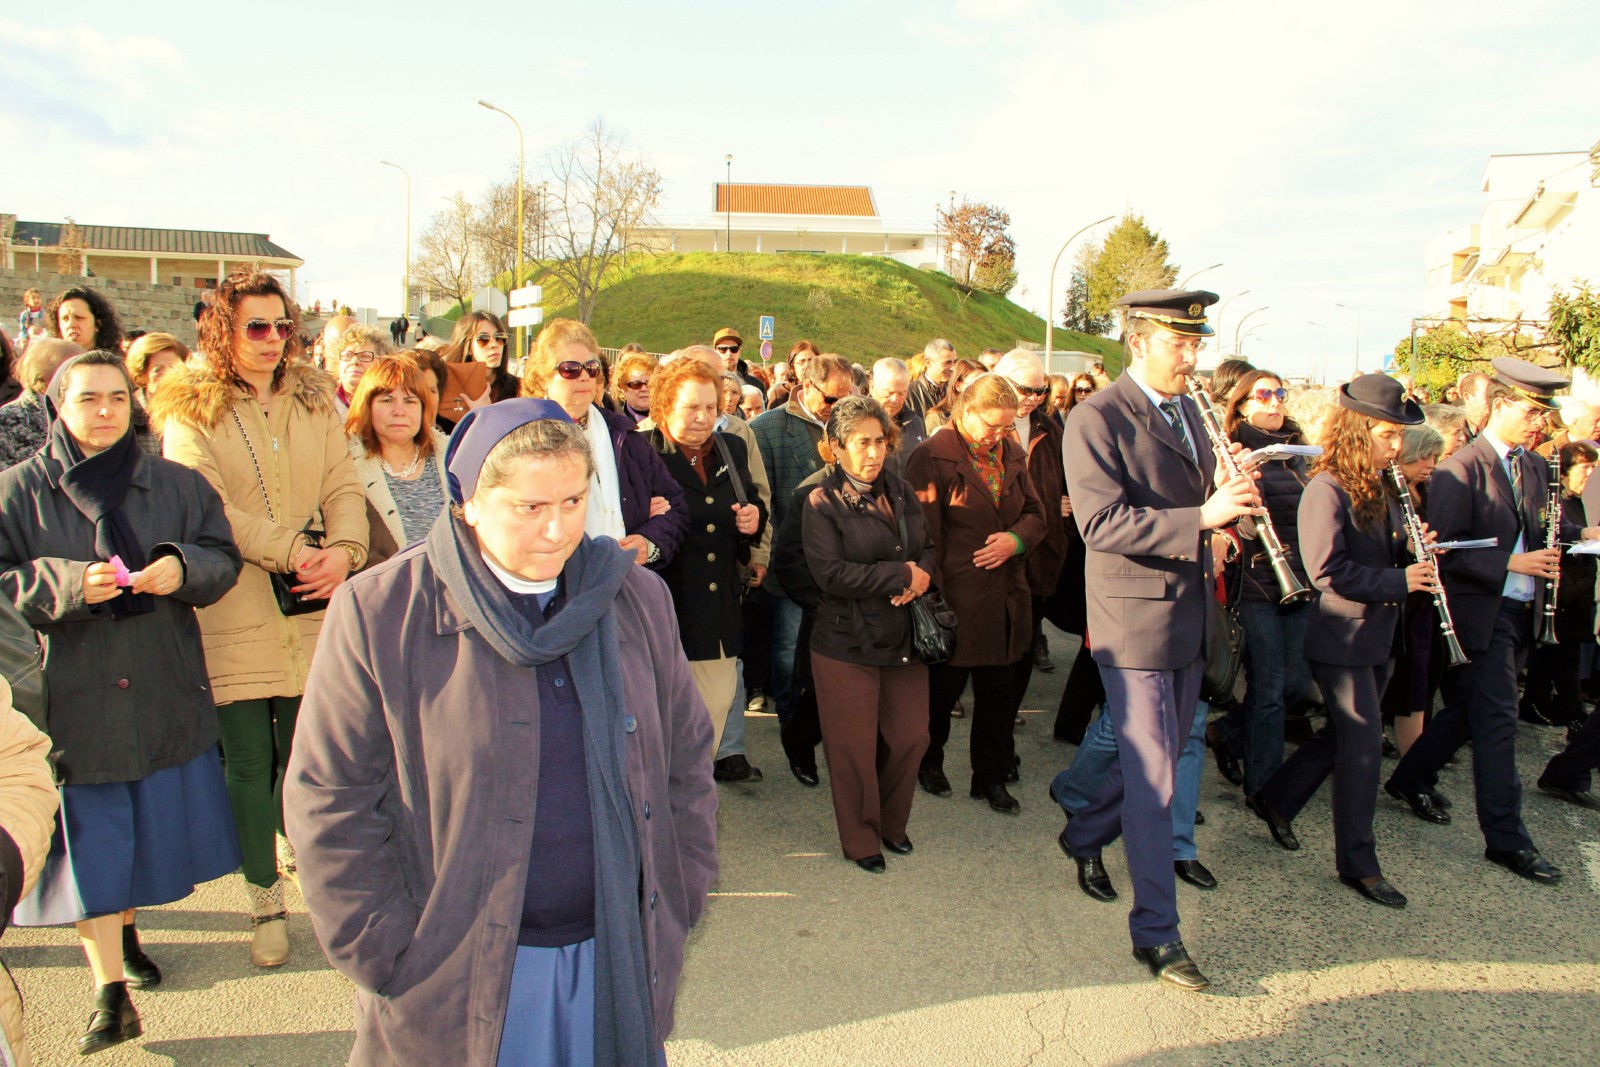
[252, 650]
[28, 801]
[386, 535]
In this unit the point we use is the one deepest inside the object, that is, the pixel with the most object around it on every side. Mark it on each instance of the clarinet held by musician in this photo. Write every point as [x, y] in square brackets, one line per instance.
[1425, 554]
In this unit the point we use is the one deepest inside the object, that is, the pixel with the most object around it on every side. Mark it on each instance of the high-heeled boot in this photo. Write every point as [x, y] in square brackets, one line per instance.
[141, 970]
[269, 946]
[112, 1022]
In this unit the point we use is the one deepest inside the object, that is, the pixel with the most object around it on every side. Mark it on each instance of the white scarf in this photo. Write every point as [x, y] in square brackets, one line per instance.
[605, 488]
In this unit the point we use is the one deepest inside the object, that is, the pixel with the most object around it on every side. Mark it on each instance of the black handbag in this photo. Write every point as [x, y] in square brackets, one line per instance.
[933, 622]
[289, 602]
[1222, 683]
[22, 665]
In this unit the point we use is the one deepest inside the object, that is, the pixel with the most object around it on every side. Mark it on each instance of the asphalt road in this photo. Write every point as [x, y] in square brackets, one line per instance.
[979, 949]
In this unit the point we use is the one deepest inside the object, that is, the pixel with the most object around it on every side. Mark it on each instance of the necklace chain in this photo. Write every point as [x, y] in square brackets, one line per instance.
[416, 458]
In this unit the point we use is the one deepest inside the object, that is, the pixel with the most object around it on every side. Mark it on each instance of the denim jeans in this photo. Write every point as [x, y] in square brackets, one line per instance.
[1276, 673]
[733, 732]
[786, 616]
[1074, 787]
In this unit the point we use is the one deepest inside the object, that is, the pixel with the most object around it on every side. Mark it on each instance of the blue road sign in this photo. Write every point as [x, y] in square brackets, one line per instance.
[767, 324]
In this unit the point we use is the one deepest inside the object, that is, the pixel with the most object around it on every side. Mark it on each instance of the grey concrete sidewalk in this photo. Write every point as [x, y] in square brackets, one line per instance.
[979, 949]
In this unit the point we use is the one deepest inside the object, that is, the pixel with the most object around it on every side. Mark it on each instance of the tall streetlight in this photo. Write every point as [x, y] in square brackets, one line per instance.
[1357, 310]
[1196, 274]
[727, 203]
[1223, 307]
[1324, 330]
[517, 280]
[1240, 346]
[1236, 336]
[405, 290]
[1050, 305]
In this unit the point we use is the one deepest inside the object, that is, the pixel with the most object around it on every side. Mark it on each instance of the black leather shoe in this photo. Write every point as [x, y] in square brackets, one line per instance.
[1041, 655]
[1194, 872]
[899, 848]
[734, 768]
[1227, 763]
[933, 781]
[1421, 804]
[1171, 963]
[999, 798]
[1092, 877]
[1013, 776]
[873, 864]
[1580, 797]
[1440, 801]
[1199, 817]
[1379, 892]
[112, 1022]
[804, 774]
[140, 970]
[1528, 863]
[1282, 829]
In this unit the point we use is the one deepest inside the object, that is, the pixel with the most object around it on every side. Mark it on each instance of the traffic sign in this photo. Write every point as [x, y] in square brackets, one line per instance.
[489, 299]
[767, 323]
[766, 351]
[525, 317]
[528, 294]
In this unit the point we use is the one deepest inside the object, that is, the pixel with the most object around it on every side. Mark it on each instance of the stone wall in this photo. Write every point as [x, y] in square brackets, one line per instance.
[163, 308]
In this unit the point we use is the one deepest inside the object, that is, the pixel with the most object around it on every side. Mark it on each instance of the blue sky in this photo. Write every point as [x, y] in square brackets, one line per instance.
[1312, 151]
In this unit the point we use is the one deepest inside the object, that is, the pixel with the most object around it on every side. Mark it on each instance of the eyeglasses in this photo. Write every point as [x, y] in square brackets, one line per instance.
[1028, 390]
[570, 369]
[1083, 390]
[1267, 396]
[728, 349]
[261, 329]
[641, 384]
[364, 356]
[484, 338]
[826, 399]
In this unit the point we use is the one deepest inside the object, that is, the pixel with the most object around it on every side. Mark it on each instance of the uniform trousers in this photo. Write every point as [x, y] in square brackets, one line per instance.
[858, 705]
[1152, 714]
[1570, 768]
[1481, 706]
[1349, 747]
[993, 709]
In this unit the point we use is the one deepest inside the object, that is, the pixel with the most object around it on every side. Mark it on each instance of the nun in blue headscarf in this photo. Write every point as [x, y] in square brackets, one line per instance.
[501, 788]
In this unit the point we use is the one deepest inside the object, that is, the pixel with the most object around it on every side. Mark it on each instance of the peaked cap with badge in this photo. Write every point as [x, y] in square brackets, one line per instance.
[1531, 382]
[1181, 311]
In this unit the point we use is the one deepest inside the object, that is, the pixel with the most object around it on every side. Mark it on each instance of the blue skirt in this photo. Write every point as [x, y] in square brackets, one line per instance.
[124, 845]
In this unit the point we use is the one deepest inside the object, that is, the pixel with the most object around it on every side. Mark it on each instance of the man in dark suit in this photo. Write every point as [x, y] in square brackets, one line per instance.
[1140, 469]
[1496, 488]
[938, 360]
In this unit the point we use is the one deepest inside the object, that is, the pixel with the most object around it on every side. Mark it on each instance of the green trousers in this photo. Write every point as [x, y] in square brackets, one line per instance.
[256, 737]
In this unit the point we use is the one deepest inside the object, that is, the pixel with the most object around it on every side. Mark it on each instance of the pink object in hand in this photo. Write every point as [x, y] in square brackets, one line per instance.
[125, 577]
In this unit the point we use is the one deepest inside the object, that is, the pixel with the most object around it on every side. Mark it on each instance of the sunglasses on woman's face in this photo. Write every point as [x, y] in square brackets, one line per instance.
[570, 369]
[1267, 396]
[261, 329]
[1083, 390]
[484, 338]
[1028, 390]
[643, 383]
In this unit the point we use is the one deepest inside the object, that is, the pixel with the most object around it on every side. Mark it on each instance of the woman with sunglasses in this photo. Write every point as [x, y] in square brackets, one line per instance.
[264, 429]
[480, 337]
[632, 496]
[630, 383]
[1276, 671]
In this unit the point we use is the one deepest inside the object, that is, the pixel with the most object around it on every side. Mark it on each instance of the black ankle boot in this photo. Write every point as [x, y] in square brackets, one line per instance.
[141, 970]
[113, 1021]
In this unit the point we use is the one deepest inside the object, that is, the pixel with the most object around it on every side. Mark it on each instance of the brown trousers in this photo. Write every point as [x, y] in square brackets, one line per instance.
[856, 705]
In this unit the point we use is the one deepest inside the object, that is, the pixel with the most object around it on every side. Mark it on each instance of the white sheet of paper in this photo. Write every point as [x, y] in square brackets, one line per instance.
[1279, 452]
[1585, 548]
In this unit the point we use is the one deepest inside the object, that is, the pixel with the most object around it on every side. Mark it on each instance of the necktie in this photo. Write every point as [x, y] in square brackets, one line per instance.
[1169, 408]
[1514, 457]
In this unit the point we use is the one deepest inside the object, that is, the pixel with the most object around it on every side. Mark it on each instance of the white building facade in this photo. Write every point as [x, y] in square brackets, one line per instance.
[1539, 231]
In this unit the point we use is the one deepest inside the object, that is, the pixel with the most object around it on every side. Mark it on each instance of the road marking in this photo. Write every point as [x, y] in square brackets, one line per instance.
[1591, 862]
[756, 895]
[802, 855]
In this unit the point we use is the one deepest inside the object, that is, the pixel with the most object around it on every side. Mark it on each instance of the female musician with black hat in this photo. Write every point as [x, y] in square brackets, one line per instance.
[1352, 544]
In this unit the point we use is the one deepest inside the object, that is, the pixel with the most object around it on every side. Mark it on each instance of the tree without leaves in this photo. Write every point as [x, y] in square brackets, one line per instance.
[979, 253]
[69, 259]
[494, 229]
[1131, 258]
[599, 198]
[446, 251]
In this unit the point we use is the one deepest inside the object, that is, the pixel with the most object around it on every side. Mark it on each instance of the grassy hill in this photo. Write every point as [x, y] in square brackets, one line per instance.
[861, 306]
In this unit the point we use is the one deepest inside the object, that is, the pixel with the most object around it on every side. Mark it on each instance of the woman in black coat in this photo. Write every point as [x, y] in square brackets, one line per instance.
[869, 557]
[107, 551]
[1552, 693]
[725, 522]
[1353, 544]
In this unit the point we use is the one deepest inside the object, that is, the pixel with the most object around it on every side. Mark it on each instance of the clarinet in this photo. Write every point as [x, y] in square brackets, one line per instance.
[1289, 588]
[1552, 539]
[1424, 554]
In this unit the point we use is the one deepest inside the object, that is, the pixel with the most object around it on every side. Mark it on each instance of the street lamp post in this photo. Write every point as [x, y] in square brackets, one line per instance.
[1223, 307]
[727, 203]
[1236, 335]
[1050, 304]
[405, 284]
[1357, 310]
[517, 280]
[1324, 330]
[1196, 274]
[1246, 337]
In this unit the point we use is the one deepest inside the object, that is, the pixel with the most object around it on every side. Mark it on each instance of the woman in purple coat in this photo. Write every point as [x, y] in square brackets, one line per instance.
[502, 802]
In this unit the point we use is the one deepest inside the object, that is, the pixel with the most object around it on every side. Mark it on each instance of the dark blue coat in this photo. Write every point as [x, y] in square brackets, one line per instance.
[643, 475]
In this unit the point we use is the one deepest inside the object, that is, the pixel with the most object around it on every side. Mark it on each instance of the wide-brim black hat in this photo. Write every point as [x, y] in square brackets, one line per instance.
[1380, 397]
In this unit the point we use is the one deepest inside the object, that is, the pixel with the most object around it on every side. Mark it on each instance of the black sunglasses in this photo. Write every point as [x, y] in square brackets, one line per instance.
[1028, 390]
[1085, 390]
[571, 368]
[727, 349]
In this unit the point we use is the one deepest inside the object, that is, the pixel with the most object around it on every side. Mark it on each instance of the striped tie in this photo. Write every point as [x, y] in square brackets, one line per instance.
[1169, 408]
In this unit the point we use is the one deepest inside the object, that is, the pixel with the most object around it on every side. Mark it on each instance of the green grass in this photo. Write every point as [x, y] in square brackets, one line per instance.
[861, 306]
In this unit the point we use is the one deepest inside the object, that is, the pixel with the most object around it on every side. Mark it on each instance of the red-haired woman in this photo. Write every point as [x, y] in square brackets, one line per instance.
[399, 456]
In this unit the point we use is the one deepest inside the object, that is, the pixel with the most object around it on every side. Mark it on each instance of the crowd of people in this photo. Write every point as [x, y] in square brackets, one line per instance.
[462, 644]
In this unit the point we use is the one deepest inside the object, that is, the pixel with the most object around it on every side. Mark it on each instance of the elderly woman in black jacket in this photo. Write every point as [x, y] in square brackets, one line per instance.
[725, 521]
[869, 556]
[107, 551]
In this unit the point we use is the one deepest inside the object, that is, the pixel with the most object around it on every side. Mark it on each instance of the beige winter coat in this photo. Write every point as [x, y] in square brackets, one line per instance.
[28, 801]
[386, 535]
[252, 650]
